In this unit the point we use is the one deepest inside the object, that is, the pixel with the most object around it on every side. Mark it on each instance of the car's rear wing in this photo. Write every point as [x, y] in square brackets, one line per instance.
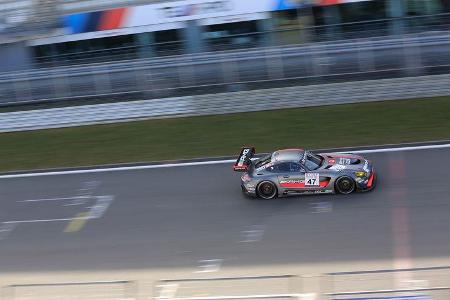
[244, 160]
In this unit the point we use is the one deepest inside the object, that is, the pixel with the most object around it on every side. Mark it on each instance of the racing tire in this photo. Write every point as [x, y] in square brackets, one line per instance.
[267, 190]
[345, 185]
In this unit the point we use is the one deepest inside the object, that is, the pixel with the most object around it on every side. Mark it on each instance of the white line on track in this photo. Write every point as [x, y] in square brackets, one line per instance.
[46, 220]
[55, 199]
[200, 163]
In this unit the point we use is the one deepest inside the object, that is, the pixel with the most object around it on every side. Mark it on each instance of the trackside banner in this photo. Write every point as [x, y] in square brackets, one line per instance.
[180, 11]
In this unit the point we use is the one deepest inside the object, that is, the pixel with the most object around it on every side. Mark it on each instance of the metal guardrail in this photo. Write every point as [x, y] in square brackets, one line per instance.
[232, 70]
[289, 97]
[414, 283]
[99, 290]
[429, 281]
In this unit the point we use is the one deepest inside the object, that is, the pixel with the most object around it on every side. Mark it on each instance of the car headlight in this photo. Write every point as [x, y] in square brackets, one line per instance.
[361, 174]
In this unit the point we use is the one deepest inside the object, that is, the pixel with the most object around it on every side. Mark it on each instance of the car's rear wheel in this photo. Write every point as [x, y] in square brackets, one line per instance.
[267, 190]
[345, 185]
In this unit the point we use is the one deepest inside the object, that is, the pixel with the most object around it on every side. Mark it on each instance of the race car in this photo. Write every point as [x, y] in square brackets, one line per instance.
[298, 171]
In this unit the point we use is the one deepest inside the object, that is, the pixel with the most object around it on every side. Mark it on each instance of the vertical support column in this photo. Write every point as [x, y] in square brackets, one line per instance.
[266, 27]
[396, 11]
[192, 36]
[305, 18]
[146, 43]
[333, 21]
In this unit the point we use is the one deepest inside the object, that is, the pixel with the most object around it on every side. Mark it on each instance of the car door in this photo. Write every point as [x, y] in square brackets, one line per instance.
[292, 176]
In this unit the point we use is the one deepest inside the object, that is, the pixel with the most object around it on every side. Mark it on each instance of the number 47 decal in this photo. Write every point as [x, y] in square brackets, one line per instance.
[312, 179]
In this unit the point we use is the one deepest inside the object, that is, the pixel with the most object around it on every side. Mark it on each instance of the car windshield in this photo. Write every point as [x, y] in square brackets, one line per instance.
[312, 161]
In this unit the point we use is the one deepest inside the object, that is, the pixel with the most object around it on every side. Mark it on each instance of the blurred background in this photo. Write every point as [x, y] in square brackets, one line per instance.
[61, 50]
[186, 233]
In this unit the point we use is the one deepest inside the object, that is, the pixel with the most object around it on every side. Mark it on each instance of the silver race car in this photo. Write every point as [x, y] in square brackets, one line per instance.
[297, 171]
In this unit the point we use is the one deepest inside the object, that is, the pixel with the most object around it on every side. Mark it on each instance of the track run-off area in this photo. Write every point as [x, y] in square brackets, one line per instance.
[190, 220]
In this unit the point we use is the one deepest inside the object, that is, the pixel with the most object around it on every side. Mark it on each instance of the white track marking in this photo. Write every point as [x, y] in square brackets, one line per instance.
[5, 230]
[209, 265]
[95, 212]
[200, 163]
[167, 291]
[254, 234]
[45, 220]
[54, 199]
[321, 207]
[99, 208]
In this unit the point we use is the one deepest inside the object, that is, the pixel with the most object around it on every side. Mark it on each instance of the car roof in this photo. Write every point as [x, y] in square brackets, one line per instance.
[288, 155]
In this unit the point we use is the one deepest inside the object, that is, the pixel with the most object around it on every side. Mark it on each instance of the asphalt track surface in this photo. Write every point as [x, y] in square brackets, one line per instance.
[172, 218]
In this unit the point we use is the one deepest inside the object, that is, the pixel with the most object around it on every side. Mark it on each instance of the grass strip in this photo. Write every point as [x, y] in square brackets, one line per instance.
[166, 139]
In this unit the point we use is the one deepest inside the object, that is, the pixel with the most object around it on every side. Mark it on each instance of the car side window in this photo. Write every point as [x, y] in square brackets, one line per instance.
[296, 168]
[286, 167]
[279, 168]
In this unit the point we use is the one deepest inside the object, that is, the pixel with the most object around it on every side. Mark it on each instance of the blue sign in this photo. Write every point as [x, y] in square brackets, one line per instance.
[292, 4]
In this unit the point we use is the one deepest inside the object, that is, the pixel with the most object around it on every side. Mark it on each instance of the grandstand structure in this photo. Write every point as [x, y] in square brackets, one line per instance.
[43, 33]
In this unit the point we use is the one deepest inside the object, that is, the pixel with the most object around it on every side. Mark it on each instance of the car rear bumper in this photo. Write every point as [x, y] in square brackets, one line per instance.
[247, 192]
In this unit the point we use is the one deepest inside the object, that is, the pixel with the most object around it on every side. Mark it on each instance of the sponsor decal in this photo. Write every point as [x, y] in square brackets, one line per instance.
[300, 183]
[344, 161]
[366, 166]
[337, 167]
[312, 179]
[243, 157]
[188, 10]
[95, 21]
[264, 167]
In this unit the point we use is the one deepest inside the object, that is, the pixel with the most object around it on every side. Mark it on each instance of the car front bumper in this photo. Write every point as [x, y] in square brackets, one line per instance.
[369, 184]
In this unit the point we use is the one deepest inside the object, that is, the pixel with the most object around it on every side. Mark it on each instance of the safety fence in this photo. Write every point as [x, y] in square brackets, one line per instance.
[423, 283]
[231, 71]
[257, 100]
[429, 283]
[107, 290]
[426, 24]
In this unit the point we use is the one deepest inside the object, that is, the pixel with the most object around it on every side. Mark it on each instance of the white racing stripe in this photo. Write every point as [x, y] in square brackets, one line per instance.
[201, 163]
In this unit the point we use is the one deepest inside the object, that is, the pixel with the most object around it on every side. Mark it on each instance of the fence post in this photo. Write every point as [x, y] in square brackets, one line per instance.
[22, 88]
[230, 76]
[60, 84]
[365, 57]
[275, 69]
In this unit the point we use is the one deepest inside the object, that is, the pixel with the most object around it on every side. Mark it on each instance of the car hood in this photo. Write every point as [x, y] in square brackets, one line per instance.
[339, 162]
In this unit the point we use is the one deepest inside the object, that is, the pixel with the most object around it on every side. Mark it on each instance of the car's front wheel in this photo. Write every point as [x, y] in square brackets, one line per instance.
[345, 185]
[267, 190]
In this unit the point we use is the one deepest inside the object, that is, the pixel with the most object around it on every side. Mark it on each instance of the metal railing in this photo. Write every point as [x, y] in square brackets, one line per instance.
[98, 290]
[278, 98]
[431, 281]
[276, 37]
[227, 71]
[414, 283]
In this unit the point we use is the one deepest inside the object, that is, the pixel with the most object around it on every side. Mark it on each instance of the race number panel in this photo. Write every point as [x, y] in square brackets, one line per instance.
[312, 179]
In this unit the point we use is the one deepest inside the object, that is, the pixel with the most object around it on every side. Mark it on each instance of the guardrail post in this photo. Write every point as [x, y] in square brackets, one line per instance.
[412, 57]
[7, 293]
[186, 73]
[60, 84]
[275, 69]
[365, 57]
[230, 75]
